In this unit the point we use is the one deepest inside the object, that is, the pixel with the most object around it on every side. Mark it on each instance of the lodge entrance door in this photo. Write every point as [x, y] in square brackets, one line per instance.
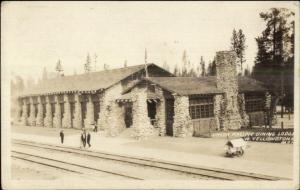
[169, 116]
[128, 114]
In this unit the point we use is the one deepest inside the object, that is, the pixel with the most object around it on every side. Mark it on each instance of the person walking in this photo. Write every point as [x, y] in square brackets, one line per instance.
[95, 128]
[88, 139]
[62, 136]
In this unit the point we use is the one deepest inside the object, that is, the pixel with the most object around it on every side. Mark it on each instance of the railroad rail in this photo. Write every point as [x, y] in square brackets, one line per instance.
[209, 173]
[65, 166]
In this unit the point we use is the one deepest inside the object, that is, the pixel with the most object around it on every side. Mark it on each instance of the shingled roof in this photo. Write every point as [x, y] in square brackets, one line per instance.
[187, 85]
[201, 85]
[90, 82]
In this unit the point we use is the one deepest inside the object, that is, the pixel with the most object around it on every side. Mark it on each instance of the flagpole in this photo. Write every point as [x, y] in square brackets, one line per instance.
[146, 69]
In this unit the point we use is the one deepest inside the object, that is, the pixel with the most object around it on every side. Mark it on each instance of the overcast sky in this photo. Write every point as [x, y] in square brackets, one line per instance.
[37, 34]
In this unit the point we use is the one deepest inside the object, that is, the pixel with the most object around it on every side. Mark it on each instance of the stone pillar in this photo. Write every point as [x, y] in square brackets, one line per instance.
[161, 112]
[89, 112]
[39, 117]
[115, 123]
[242, 110]
[182, 125]
[31, 118]
[218, 100]
[66, 121]
[24, 118]
[77, 114]
[19, 111]
[48, 119]
[57, 115]
[227, 82]
[141, 122]
[103, 111]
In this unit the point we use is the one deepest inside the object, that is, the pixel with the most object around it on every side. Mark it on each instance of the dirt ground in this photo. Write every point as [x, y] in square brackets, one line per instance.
[257, 151]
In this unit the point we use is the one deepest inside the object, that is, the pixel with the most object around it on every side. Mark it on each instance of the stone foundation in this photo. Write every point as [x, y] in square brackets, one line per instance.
[182, 126]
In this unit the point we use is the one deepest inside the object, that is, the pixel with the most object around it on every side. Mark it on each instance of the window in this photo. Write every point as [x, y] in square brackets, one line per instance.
[151, 88]
[253, 103]
[201, 107]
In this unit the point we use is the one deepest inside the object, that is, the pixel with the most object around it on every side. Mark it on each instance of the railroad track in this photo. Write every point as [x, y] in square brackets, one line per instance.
[65, 166]
[207, 173]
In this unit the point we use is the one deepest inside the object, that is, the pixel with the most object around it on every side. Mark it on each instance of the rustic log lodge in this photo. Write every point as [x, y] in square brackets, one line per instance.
[148, 99]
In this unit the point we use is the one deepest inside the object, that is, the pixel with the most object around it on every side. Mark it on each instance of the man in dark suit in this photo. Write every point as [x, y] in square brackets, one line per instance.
[88, 139]
[83, 138]
[62, 135]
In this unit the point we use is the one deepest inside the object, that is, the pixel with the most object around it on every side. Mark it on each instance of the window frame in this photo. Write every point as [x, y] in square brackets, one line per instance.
[254, 103]
[201, 107]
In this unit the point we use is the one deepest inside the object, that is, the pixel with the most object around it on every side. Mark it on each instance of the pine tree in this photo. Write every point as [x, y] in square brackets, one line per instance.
[87, 65]
[184, 72]
[105, 66]
[238, 45]
[59, 68]
[176, 71]
[166, 66]
[95, 62]
[212, 70]
[202, 63]
[192, 73]
[273, 64]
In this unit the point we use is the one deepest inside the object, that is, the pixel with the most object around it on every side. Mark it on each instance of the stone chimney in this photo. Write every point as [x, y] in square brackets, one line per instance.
[227, 81]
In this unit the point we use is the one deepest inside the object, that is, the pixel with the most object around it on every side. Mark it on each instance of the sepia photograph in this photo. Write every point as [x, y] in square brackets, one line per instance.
[150, 95]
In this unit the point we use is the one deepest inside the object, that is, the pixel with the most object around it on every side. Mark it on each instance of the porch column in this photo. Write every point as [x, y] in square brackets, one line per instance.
[242, 110]
[115, 119]
[141, 122]
[77, 115]
[19, 110]
[102, 114]
[57, 116]
[89, 112]
[218, 101]
[24, 118]
[161, 112]
[182, 122]
[66, 121]
[39, 118]
[32, 113]
[48, 119]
